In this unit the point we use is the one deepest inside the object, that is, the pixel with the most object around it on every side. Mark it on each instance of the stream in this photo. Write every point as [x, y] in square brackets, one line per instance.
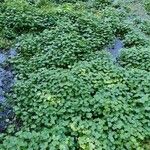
[6, 82]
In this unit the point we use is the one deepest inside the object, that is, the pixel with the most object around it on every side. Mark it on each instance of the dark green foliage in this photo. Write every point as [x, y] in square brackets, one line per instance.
[64, 45]
[136, 58]
[136, 38]
[134, 32]
[93, 105]
[147, 5]
[21, 17]
[69, 94]
[5, 43]
[145, 27]
[85, 32]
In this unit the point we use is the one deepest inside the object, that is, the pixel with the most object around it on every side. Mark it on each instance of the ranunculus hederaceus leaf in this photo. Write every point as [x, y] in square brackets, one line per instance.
[69, 94]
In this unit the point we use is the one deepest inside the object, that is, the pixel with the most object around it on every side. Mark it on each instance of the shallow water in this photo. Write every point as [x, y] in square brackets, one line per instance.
[6, 82]
[115, 49]
[3, 58]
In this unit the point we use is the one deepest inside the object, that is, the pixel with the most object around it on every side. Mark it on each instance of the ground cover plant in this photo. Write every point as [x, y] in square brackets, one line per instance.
[69, 93]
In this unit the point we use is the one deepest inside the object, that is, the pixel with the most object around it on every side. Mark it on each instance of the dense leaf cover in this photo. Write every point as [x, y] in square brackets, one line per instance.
[69, 94]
